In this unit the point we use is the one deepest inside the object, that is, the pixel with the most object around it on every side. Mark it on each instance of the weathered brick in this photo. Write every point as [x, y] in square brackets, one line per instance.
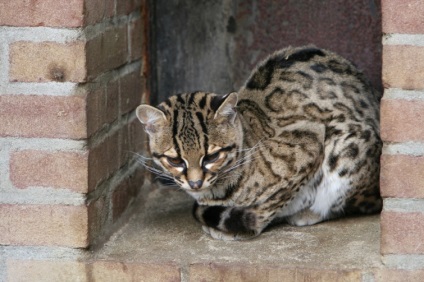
[136, 39]
[402, 232]
[45, 271]
[124, 7]
[46, 225]
[98, 10]
[103, 160]
[125, 192]
[63, 170]
[130, 91]
[107, 51]
[102, 106]
[396, 275]
[402, 120]
[121, 198]
[113, 152]
[133, 140]
[20, 270]
[42, 116]
[137, 137]
[402, 16]
[99, 217]
[403, 67]
[240, 273]
[47, 61]
[42, 13]
[106, 271]
[402, 176]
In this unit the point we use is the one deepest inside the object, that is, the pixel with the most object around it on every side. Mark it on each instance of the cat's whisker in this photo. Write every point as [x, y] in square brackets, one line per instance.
[158, 172]
[140, 155]
[169, 185]
[229, 176]
[256, 146]
[238, 164]
[245, 159]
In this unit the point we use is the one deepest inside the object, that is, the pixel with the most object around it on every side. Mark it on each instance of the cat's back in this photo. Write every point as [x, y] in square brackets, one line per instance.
[300, 97]
[314, 83]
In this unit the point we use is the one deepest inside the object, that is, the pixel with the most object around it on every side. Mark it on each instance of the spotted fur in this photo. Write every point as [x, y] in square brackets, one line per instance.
[299, 142]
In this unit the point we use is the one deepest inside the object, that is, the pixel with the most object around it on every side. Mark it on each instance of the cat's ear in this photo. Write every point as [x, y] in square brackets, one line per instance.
[152, 118]
[227, 109]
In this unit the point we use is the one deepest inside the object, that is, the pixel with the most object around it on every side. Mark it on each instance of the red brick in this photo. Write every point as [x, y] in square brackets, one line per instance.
[46, 271]
[131, 91]
[46, 225]
[107, 51]
[396, 275]
[403, 16]
[136, 39]
[124, 7]
[402, 232]
[42, 13]
[240, 273]
[403, 66]
[103, 106]
[402, 120]
[98, 10]
[47, 61]
[402, 176]
[42, 116]
[65, 170]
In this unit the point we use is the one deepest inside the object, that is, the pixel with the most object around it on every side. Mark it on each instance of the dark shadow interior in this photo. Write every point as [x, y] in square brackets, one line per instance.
[214, 45]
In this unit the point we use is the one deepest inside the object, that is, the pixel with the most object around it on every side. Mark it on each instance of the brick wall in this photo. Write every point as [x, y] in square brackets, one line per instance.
[402, 129]
[70, 79]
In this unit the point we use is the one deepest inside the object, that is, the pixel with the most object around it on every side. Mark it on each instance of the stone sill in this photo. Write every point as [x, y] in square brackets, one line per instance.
[163, 232]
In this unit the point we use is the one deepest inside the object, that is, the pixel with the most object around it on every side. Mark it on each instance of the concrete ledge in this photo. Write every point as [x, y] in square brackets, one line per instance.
[163, 233]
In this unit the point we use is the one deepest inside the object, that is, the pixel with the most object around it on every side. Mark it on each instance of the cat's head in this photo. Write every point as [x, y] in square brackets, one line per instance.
[194, 137]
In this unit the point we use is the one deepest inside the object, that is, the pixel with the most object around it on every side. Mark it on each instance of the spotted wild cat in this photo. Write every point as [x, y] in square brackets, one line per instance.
[299, 142]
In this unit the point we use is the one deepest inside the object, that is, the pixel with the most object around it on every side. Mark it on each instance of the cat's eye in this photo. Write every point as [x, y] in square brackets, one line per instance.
[175, 162]
[211, 158]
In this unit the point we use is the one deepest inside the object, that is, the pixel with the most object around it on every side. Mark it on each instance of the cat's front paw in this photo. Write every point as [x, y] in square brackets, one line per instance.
[225, 236]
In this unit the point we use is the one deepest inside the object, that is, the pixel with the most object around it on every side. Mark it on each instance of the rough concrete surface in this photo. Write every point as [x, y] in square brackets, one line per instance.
[163, 231]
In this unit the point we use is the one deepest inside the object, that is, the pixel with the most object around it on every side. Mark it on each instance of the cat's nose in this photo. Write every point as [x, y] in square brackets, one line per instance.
[195, 184]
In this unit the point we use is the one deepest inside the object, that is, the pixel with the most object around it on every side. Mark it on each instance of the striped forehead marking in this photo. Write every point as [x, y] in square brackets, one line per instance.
[189, 122]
